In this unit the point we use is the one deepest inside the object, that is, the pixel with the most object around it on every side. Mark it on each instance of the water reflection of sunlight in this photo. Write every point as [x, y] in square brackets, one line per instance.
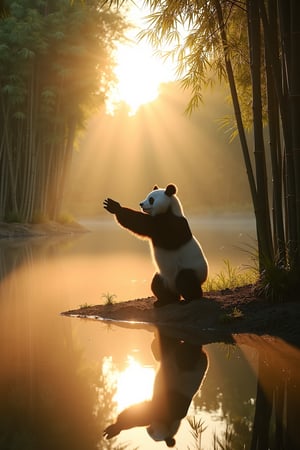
[134, 384]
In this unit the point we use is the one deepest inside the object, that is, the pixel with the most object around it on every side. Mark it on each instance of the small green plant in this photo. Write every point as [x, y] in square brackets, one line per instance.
[230, 278]
[236, 313]
[85, 305]
[109, 298]
[198, 428]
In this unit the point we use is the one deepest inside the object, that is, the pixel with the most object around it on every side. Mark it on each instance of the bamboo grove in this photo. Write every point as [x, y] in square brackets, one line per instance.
[55, 67]
[254, 45]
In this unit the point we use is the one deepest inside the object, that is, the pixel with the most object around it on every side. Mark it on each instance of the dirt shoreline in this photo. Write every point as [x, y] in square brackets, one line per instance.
[215, 318]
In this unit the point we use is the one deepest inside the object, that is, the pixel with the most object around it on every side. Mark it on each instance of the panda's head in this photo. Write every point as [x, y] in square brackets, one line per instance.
[160, 201]
[159, 431]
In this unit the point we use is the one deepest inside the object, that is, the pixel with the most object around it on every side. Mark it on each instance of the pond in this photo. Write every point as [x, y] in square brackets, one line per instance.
[64, 380]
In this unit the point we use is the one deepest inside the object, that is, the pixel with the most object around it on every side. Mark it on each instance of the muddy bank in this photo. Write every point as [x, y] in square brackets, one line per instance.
[216, 317]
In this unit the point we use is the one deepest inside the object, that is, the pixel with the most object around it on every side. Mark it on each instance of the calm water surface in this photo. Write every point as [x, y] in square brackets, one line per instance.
[63, 380]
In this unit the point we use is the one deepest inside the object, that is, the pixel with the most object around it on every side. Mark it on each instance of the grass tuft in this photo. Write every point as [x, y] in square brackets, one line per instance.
[109, 298]
[85, 305]
[278, 283]
[231, 277]
[197, 429]
[236, 313]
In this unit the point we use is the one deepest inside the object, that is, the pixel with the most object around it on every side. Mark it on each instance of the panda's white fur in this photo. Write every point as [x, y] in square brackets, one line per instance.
[158, 202]
[170, 262]
[188, 256]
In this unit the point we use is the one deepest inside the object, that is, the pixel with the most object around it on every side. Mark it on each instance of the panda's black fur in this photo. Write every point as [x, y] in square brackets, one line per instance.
[165, 230]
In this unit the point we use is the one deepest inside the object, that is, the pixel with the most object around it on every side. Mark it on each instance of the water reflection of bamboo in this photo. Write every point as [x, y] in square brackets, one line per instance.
[15, 253]
[48, 397]
[277, 400]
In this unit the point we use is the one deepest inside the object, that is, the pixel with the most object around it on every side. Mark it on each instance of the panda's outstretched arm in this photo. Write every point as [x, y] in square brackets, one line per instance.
[135, 221]
[138, 415]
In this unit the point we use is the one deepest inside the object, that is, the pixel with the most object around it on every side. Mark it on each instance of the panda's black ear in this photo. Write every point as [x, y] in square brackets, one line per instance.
[155, 187]
[171, 189]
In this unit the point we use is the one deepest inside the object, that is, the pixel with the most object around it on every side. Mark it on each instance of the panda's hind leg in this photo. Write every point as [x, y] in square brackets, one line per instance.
[188, 285]
[164, 295]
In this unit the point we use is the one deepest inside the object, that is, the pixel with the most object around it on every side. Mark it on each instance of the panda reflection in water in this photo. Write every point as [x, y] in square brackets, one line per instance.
[182, 265]
[183, 367]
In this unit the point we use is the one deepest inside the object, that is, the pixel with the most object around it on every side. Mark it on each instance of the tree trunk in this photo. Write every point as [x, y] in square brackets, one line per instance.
[8, 151]
[271, 44]
[262, 210]
[294, 100]
[236, 105]
[290, 176]
[66, 161]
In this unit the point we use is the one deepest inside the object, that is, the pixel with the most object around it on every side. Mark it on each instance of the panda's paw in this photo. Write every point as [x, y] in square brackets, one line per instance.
[111, 206]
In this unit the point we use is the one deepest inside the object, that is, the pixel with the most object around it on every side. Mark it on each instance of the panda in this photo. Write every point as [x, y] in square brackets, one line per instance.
[182, 267]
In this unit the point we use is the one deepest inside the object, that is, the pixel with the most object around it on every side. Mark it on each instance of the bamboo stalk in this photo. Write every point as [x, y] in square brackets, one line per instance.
[275, 145]
[262, 208]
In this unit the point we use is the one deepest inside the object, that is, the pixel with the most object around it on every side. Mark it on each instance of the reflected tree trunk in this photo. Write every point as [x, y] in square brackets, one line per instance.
[277, 402]
[263, 410]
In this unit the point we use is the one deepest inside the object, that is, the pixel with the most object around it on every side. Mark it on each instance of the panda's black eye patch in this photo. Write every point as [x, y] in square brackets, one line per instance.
[151, 200]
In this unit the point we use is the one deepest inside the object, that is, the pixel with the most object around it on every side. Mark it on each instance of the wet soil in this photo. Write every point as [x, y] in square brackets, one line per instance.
[216, 317]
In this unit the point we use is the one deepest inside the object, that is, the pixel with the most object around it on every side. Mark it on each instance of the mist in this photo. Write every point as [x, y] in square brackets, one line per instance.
[124, 156]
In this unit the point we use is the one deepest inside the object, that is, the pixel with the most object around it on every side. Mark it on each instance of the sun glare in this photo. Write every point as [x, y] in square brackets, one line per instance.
[139, 70]
[139, 75]
[134, 384]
